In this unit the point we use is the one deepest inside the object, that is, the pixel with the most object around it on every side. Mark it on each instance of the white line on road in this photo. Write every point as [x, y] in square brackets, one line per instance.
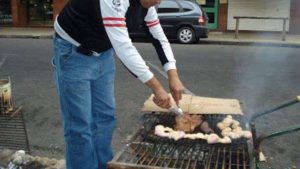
[3, 59]
[187, 91]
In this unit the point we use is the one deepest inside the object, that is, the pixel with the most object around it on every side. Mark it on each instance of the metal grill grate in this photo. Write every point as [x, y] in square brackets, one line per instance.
[150, 151]
[13, 133]
[145, 155]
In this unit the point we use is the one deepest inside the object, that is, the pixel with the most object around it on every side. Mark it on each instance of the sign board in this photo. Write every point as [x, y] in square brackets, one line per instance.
[201, 2]
[223, 1]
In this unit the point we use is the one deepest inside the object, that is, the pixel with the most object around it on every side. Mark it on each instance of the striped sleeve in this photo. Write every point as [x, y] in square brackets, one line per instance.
[113, 16]
[159, 40]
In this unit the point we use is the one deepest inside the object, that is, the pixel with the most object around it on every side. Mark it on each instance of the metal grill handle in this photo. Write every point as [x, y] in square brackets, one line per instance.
[257, 140]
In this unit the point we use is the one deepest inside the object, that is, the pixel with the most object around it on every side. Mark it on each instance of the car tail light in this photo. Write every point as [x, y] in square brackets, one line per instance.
[201, 20]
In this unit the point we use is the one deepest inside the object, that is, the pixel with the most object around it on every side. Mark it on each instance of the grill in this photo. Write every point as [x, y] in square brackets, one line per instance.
[146, 150]
[5, 96]
[147, 155]
[13, 133]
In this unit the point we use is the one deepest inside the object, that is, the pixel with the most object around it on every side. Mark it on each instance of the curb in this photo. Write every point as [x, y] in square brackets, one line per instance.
[28, 36]
[250, 43]
[202, 41]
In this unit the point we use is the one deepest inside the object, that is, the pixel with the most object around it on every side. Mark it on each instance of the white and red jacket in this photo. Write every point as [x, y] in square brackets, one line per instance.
[98, 25]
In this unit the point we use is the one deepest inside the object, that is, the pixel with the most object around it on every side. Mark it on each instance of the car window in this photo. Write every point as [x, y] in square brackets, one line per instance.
[186, 6]
[168, 7]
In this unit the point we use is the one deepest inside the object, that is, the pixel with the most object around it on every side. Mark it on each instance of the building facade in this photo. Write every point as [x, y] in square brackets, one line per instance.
[220, 13]
[29, 12]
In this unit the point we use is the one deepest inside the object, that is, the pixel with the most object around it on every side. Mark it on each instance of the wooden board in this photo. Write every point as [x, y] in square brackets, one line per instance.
[150, 106]
[198, 105]
[206, 105]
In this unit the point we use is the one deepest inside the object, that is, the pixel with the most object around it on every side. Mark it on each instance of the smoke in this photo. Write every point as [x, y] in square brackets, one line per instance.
[262, 77]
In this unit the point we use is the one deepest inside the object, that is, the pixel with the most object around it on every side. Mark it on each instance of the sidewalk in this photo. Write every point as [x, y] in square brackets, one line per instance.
[227, 38]
[252, 38]
[14, 32]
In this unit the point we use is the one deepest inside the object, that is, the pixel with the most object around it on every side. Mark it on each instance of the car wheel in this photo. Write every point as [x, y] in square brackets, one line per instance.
[186, 35]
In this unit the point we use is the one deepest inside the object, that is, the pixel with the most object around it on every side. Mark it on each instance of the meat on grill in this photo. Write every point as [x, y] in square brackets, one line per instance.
[212, 138]
[188, 123]
[184, 125]
[230, 127]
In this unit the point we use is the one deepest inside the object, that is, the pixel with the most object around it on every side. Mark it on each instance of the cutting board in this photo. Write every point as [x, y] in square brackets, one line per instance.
[198, 105]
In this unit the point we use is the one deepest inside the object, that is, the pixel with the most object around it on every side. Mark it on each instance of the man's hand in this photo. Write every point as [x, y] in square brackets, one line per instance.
[161, 97]
[175, 85]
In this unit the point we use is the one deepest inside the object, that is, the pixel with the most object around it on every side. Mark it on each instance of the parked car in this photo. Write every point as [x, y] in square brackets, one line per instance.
[183, 20]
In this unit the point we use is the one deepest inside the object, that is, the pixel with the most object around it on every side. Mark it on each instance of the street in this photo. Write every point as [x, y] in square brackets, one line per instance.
[260, 77]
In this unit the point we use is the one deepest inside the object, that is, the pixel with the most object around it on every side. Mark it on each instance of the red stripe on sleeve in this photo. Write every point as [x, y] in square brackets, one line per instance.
[113, 19]
[153, 23]
[115, 25]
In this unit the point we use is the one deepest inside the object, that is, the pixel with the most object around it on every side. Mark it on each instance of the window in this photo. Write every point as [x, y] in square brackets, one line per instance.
[186, 6]
[211, 17]
[208, 3]
[40, 11]
[5, 12]
[168, 7]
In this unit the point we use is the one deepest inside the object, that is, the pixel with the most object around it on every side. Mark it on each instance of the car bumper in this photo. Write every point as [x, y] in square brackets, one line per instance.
[201, 31]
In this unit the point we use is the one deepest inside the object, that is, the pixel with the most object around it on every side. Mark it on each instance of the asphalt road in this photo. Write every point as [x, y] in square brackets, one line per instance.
[260, 77]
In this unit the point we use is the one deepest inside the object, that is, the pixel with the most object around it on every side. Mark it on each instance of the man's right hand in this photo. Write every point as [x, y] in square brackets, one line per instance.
[161, 97]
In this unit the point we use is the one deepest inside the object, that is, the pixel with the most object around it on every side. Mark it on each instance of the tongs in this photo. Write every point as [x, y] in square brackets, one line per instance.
[257, 140]
[176, 110]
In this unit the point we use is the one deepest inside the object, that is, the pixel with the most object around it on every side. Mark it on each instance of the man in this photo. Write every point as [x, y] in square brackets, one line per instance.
[87, 31]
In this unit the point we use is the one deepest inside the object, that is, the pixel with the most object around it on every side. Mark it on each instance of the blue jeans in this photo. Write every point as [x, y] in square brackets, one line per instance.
[85, 86]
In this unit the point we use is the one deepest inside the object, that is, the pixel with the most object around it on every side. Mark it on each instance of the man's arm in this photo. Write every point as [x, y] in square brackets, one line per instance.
[159, 40]
[175, 85]
[113, 17]
[165, 53]
[161, 97]
[114, 22]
